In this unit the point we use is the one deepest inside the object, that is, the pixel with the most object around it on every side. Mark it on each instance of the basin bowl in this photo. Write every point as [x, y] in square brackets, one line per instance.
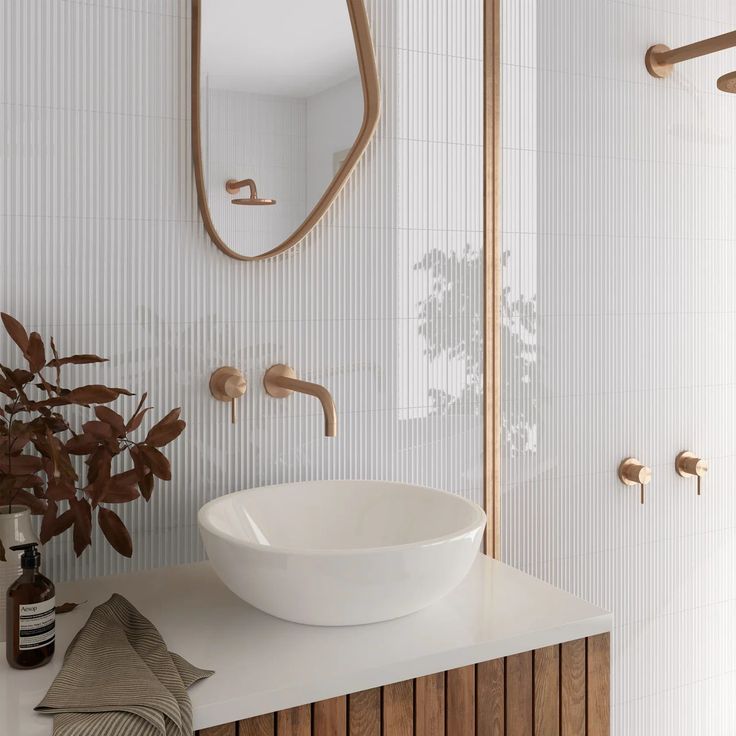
[339, 553]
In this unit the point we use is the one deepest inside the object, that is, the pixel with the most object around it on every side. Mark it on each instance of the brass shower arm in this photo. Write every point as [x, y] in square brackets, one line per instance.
[660, 59]
[233, 186]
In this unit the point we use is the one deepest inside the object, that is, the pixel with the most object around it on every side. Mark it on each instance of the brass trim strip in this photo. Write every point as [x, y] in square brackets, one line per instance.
[371, 114]
[492, 271]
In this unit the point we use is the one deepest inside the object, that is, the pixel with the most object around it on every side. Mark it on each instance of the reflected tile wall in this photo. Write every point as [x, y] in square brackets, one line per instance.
[259, 137]
[103, 247]
[620, 241]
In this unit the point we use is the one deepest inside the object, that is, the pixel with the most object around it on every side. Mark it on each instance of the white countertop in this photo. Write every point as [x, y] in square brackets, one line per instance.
[264, 664]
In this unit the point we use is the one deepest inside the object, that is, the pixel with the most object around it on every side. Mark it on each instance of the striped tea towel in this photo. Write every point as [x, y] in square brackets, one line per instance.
[119, 679]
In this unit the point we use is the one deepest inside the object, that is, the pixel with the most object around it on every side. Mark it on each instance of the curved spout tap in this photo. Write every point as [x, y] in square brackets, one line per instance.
[280, 381]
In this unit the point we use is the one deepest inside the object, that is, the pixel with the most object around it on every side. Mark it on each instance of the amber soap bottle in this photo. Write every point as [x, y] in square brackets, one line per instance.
[31, 618]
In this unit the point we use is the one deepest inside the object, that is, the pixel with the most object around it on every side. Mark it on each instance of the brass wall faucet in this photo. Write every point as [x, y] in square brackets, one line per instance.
[632, 472]
[280, 381]
[688, 465]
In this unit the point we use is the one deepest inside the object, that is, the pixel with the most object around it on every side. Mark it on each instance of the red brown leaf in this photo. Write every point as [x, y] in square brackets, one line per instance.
[92, 394]
[122, 494]
[137, 419]
[35, 353]
[145, 486]
[112, 418]
[138, 463]
[156, 461]
[6, 387]
[49, 522]
[120, 488]
[82, 525]
[18, 377]
[16, 331]
[75, 360]
[99, 465]
[60, 490]
[99, 430]
[82, 444]
[64, 522]
[115, 532]
[165, 431]
[21, 464]
[27, 481]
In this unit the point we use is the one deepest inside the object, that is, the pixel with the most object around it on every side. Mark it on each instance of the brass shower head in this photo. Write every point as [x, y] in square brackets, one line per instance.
[233, 186]
[727, 83]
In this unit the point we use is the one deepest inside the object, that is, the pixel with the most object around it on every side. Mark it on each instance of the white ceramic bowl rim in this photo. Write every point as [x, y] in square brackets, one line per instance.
[479, 522]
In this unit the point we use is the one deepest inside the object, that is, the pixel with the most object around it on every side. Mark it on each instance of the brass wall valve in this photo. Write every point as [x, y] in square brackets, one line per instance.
[689, 465]
[631, 472]
[228, 384]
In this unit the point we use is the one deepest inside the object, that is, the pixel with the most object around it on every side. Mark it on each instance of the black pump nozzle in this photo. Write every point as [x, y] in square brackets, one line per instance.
[31, 558]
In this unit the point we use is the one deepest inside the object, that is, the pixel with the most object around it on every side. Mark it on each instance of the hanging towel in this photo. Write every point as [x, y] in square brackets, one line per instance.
[119, 679]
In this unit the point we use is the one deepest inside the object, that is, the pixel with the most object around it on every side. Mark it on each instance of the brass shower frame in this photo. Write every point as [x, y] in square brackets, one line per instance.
[660, 60]
[371, 113]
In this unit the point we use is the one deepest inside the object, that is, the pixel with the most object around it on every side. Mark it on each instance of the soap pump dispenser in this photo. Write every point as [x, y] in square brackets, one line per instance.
[31, 615]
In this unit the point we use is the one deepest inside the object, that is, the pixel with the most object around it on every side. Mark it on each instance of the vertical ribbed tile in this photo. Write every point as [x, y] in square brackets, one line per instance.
[103, 247]
[619, 323]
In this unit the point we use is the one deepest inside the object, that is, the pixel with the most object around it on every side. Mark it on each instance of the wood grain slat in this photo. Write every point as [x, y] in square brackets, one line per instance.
[293, 721]
[329, 717]
[257, 726]
[560, 690]
[519, 695]
[599, 685]
[229, 729]
[364, 713]
[572, 688]
[547, 691]
[429, 700]
[461, 701]
[490, 706]
[398, 709]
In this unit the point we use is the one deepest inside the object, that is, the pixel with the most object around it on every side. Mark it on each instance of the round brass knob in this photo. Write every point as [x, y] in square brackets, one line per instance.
[632, 472]
[689, 465]
[228, 384]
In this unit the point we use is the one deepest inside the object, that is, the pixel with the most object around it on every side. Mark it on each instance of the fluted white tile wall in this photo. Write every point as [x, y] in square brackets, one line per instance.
[103, 247]
[620, 234]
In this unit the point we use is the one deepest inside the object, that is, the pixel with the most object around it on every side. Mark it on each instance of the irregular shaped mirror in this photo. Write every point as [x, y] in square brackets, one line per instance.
[284, 101]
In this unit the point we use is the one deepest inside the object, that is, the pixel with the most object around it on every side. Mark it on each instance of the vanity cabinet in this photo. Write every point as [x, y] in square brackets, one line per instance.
[559, 690]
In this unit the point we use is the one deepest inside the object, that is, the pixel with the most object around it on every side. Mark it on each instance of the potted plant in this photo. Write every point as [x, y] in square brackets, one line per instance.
[71, 475]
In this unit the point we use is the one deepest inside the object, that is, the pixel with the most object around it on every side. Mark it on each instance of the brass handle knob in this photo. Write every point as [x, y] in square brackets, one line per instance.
[632, 472]
[228, 384]
[688, 465]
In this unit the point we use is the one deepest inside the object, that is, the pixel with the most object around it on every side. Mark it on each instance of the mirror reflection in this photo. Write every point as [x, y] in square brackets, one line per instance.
[281, 108]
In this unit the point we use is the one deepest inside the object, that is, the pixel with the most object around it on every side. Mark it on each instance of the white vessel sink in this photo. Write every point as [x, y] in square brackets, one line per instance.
[337, 553]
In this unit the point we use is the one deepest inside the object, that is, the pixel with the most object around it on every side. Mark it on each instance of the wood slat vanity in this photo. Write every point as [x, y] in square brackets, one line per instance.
[558, 690]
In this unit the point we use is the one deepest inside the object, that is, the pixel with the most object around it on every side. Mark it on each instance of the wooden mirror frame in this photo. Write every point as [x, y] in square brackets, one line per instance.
[371, 114]
[492, 273]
